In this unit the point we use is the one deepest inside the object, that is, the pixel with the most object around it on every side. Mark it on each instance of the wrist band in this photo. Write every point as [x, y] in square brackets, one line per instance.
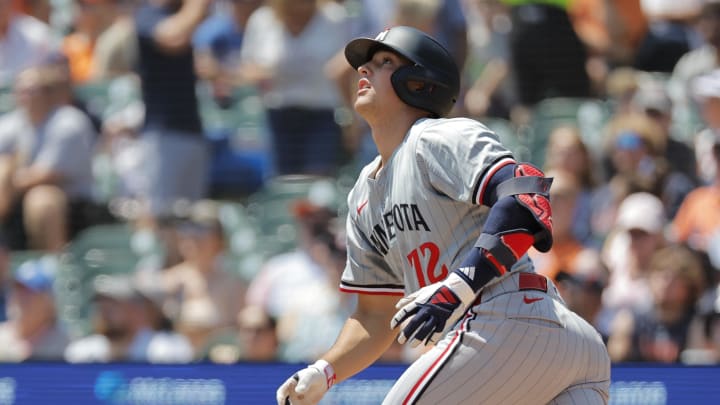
[328, 370]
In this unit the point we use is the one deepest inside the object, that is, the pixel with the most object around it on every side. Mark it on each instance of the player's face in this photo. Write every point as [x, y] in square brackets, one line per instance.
[375, 92]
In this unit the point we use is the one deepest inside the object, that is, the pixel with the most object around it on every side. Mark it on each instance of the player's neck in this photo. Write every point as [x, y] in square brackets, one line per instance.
[388, 134]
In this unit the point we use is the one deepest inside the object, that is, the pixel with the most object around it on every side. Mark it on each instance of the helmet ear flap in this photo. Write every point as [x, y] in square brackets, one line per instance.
[420, 88]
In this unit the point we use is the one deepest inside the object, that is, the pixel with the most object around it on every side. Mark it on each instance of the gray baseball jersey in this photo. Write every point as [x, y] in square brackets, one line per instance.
[416, 220]
[413, 223]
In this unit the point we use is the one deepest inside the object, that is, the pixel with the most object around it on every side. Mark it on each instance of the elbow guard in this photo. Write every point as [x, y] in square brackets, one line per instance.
[520, 217]
[531, 189]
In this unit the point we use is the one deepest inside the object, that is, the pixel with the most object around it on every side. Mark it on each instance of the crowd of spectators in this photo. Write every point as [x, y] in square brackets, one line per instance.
[635, 195]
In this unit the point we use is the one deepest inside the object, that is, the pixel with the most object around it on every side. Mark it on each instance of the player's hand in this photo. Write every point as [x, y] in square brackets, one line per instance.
[307, 386]
[431, 310]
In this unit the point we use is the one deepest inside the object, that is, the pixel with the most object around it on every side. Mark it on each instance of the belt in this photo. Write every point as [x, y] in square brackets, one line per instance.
[520, 281]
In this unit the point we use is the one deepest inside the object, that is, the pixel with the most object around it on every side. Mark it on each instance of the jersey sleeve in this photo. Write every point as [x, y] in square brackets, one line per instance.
[366, 272]
[459, 156]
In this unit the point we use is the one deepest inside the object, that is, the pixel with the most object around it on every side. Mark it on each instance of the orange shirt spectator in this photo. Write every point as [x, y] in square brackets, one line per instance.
[564, 196]
[698, 217]
[613, 28]
[93, 18]
[79, 51]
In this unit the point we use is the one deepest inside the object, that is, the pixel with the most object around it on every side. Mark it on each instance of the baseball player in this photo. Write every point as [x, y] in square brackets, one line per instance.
[417, 228]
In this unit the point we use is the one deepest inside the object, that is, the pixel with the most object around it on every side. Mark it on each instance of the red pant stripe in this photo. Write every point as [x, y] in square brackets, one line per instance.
[434, 367]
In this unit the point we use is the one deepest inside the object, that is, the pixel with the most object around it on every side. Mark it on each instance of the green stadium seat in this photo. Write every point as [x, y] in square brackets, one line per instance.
[7, 103]
[100, 249]
[104, 98]
[589, 115]
[269, 210]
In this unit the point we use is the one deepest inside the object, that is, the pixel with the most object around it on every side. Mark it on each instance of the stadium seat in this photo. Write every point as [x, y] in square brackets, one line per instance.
[270, 210]
[589, 115]
[100, 249]
[103, 98]
[6, 99]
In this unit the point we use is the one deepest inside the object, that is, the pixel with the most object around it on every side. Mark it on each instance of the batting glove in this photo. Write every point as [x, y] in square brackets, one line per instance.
[431, 310]
[307, 386]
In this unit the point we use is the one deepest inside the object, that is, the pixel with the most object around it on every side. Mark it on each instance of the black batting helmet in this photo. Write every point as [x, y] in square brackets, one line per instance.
[433, 66]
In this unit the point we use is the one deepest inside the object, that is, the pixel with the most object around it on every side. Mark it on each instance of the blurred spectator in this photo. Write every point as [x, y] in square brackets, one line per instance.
[706, 91]
[66, 91]
[704, 336]
[39, 9]
[660, 333]
[638, 233]
[254, 340]
[258, 335]
[632, 143]
[635, 151]
[582, 285]
[492, 93]
[698, 220]
[93, 18]
[653, 100]
[125, 328]
[286, 47]
[116, 49]
[670, 34]
[217, 43]
[703, 59]
[564, 197]
[300, 288]
[620, 88]
[46, 150]
[548, 58]
[24, 42]
[173, 151]
[5, 278]
[33, 331]
[202, 295]
[568, 152]
[611, 29]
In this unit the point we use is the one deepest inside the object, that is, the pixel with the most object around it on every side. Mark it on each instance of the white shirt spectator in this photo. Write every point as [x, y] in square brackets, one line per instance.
[27, 42]
[64, 143]
[308, 305]
[148, 346]
[297, 63]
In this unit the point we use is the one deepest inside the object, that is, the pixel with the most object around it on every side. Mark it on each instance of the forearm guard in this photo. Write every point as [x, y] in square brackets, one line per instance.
[519, 217]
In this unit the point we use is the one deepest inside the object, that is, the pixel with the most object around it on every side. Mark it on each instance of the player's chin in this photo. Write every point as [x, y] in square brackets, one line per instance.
[362, 104]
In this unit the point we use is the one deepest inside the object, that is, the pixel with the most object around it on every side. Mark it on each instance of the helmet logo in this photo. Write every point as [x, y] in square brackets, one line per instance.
[381, 36]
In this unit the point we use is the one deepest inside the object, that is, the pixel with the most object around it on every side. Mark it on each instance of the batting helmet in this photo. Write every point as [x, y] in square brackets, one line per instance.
[433, 66]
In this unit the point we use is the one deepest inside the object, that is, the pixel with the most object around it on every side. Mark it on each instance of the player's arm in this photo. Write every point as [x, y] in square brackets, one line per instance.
[363, 339]
[519, 218]
[365, 336]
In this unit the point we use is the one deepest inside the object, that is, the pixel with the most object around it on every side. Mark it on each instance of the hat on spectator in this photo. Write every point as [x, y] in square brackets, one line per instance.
[707, 85]
[671, 9]
[586, 270]
[115, 286]
[200, 218]
[318, 205]
[127, 287]
[642, 211]
[653, 97]
[37, 275]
